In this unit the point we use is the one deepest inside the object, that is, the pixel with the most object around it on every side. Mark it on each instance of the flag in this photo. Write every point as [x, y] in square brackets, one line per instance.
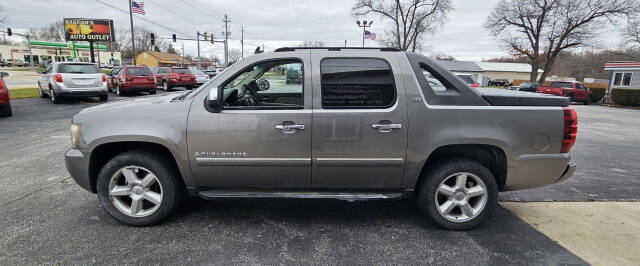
[138, 8]
[369, 35]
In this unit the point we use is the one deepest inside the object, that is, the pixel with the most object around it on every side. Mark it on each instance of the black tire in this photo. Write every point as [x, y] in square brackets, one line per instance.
[173, 189]
[119, 92]
[587, 101]
[431, 179]
[42, 94]
[152, 92]
[104, 98]
[55, 98]
[5, 111]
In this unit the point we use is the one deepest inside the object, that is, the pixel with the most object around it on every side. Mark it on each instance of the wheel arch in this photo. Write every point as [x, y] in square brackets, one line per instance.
[102, 153]
[491, 156]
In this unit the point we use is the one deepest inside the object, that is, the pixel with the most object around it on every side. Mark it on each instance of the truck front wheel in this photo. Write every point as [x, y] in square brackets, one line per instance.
[139, 188]
[457, 194]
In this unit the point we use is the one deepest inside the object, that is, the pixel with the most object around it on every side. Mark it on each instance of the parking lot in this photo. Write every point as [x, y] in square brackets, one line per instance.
[47, 218]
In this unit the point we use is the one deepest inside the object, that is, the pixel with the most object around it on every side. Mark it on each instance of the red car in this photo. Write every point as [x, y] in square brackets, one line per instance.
[169, 77]
[469, 80]
[132, 79]
[574, 90]
[5, 105]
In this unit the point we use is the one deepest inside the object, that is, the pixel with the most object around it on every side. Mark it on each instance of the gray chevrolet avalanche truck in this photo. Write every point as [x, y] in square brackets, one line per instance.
[363, 124]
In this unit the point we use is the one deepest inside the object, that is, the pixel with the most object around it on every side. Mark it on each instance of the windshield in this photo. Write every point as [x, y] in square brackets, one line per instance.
[196, 91]
[467, 79]
[138, 71]
[78, 68]
[182, 70]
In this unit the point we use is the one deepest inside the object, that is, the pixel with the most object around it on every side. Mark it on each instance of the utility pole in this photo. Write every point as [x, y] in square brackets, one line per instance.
[182, 59]
[345, 43]
[198, 41]
[364, 28]
[133, 45]
[226, 40]
[242, 41]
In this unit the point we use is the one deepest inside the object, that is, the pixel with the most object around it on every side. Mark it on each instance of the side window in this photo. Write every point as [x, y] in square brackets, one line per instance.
[356, 83]
[267, 85]
[433, 81]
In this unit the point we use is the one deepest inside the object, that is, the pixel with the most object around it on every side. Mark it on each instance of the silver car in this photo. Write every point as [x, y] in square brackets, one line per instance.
[363, 124]
[72, 79]
[201, 77]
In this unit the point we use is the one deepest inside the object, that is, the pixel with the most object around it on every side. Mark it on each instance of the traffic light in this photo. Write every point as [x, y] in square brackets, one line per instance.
[153, 39]
[9, 31]
[212, 41]
[173, 37]
[205, 35]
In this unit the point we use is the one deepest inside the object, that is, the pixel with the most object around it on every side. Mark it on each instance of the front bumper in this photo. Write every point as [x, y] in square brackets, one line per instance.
[77, 164]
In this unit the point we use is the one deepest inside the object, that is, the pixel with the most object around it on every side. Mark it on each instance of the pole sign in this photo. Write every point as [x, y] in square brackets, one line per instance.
[88, 30]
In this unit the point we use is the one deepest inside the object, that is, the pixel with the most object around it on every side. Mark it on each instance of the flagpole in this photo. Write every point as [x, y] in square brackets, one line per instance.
[133, 44]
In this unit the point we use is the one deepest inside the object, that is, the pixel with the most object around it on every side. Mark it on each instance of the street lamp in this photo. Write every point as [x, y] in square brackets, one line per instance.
[364, 26]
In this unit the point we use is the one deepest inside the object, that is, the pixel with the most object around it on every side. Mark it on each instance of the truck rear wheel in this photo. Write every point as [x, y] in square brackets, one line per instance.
[139, 188]
[457, 194]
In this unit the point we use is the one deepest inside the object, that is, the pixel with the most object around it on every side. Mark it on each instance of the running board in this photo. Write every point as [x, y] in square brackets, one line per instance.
[345, 195]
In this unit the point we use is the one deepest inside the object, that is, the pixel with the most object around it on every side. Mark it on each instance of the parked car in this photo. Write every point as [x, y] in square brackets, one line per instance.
[527, 86]
[201, 77]
[211, 73]
[18, 63]
[500, 83]
[293, 76]
[574, 90]
[3, 63]
[106, 66]
[373, 119]
[170, 77]
[133, 79]
[469, 80]
[72, 79]
[5, 102]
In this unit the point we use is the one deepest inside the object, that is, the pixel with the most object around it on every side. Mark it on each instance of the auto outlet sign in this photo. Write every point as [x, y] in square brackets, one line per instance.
[88, 30]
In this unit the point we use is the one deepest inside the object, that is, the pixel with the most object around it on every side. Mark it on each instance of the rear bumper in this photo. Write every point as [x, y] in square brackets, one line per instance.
[77, 164]
[146, 87]
[63, 90]
[538, 170]
[182, 83]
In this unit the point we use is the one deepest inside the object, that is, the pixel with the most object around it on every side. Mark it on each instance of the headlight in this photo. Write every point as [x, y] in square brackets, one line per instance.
[75, 131]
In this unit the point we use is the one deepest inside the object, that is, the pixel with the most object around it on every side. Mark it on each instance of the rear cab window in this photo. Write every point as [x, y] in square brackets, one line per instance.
[561, 85]
[182, 71]
[356, 83]
[78, 68]
[138, 71]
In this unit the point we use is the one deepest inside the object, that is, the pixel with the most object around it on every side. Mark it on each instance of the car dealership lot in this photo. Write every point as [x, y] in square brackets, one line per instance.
[47, 218]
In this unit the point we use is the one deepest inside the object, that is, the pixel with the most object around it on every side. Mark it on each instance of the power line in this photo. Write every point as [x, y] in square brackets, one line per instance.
[177, 15]
[144, 19]
[207, 7]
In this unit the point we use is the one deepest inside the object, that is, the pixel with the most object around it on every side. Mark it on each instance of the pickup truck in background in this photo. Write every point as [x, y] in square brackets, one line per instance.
[386, 124]
[574, 90]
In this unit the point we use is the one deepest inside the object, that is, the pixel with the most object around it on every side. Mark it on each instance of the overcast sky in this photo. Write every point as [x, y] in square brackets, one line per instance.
[275, 23]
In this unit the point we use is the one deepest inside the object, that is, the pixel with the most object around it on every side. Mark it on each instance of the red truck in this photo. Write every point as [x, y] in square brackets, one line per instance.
[132, 79]
[169, 77]
[574, 90]
[5, 105]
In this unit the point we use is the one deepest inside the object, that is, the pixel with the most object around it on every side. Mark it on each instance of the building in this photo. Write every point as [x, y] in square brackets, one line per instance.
[45, 53]
[483, 72]
[623, 74]
[157, 59]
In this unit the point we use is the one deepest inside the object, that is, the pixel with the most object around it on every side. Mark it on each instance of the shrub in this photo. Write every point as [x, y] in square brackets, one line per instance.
[597, 94]
[626, 97]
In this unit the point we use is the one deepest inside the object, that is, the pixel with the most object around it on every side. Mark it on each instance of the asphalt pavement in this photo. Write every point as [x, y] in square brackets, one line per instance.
[47, 218]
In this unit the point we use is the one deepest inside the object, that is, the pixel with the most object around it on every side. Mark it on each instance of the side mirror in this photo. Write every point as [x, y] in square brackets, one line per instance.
[212, 102]
[4, 74]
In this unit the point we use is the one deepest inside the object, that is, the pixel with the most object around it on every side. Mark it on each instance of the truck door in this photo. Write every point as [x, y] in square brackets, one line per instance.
[359, 120]
[256, 140]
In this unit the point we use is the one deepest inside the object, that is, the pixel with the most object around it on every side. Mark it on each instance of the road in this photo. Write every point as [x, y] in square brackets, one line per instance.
[47, 218]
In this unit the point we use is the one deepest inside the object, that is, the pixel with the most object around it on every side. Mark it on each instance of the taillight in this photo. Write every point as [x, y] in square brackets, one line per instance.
[570, 129]
[173, 75]
[57, 77]
[104, 78]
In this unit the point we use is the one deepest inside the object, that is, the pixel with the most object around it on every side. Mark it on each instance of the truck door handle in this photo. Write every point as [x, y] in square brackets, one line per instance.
[289, 128]
[386, 127]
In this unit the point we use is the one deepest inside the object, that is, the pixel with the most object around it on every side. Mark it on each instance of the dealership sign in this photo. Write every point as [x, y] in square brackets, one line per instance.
[88, 30]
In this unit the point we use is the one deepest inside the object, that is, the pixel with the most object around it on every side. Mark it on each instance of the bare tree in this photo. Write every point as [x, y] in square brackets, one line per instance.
[53, 32]
[311, 44]
[411, 19]
[235, 55]
[541, 29]
[3, 22]
[631, 33]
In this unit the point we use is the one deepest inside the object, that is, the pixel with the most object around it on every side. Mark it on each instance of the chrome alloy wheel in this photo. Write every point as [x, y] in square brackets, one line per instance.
[461, 197]
[135, 191]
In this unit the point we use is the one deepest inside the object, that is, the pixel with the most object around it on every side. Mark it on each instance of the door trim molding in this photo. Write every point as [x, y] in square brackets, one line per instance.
[253, 161]
[321, 162]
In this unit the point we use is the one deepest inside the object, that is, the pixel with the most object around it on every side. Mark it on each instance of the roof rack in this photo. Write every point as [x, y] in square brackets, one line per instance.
[383, 49]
